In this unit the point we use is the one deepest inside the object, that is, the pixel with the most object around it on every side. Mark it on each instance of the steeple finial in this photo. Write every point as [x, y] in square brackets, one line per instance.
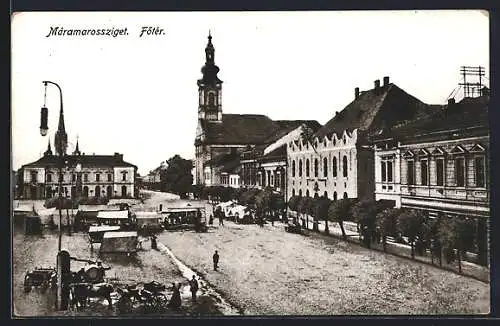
[77, 149]
[61, 138]
[49, 150]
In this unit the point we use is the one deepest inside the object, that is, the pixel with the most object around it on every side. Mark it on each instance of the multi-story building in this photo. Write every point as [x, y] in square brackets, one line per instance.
[438, 163]
[221, 137]
[82, 175]
[337, 161]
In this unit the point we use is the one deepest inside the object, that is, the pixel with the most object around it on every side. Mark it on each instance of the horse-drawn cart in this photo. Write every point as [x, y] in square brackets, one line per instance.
[42, 277]
[119, 242]
[96, 233]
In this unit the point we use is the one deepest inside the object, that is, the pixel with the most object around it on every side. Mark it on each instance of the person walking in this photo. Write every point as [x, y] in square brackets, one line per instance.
[175, 300]
[215, 258]
[193, 287]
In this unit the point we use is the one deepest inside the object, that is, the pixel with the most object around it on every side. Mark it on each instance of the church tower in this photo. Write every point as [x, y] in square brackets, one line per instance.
[210, 87]
[61, 139]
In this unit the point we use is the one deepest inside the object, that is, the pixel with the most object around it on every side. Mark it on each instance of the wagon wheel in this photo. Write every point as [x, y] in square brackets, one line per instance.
[124, 305]
[27, 284]
[160, 302]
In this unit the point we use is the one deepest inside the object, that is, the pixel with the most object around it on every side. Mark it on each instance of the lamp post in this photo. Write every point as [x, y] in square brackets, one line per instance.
[62, 256]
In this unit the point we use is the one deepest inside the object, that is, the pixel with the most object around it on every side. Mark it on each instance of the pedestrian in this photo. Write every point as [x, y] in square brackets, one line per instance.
[193, 287]
[175, 300]
[211, 220]
[216, 260]
[221, 219]
[154, 245]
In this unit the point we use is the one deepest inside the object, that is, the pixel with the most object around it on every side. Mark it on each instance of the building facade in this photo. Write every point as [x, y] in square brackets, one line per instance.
[338, 160]
[439, 164]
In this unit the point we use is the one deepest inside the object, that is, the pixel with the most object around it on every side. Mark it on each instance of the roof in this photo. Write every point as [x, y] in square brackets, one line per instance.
[145, 215]
[95, 208]
[113, 214]
[375, 110]
[275, 155]
[84, 160]
[120, 234]
[103, 228]
[470, 113]
[249, 129]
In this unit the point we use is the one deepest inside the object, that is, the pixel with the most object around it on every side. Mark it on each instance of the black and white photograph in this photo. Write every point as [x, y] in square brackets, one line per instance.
[263, 163]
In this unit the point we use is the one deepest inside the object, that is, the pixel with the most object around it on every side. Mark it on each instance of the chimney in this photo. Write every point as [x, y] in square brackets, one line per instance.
[386, 80]
[356, 92]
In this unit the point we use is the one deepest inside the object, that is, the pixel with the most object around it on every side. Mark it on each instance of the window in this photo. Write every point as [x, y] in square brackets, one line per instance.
[293, 169]
[300, 168]
[325, 167]
[73, 177]
[300, 192]
[316, 167]
[211, 99]
[307, 193]
[334, 167]
[345, 195]
[423, 173]
[479, 171]
[344, 166]
[49, 177]
[384, 171]
[97, 177]
[325, 194]
[334, 195]
[389, 171]
[439, 172]
[460, 171]
[79, 177]
[33, 176]
[411, 173]
[60, 177]
[307, 167]
[124, 176]
[110, 177]
[86, 177]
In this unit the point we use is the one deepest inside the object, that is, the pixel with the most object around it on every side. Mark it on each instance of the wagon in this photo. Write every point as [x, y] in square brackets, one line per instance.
[43, 277]
[185, 217]
[119, 242]
[96, 233]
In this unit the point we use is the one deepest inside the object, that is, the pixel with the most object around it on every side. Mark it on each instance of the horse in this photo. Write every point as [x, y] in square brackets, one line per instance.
[80, 293]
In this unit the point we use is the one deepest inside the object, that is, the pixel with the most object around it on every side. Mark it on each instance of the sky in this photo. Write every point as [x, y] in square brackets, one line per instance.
[138, 95]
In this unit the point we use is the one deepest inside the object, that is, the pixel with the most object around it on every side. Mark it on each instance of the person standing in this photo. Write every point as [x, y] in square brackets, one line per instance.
[221, 218]
[215, 258]
[175, 300]
[193, 287]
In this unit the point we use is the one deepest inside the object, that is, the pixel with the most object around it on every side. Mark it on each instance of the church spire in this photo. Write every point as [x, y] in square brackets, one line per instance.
[210, 70]
[77, 149]
[61, 138]
[48, 152]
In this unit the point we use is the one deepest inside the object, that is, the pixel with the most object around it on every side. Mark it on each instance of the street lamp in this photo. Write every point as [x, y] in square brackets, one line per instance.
[61, 299]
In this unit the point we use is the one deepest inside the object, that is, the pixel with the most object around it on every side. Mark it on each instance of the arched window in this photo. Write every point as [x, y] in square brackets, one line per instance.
[345, 195]
[97, 191]
[307, 167]
[293, 169]
[85, 191]
[334, 195]
[211, 99]
[325, 167]
[316, 167]
[334, 166]
[344, 166]
[307, 193]
[300, 168]
[293, 192]
[325, 194]
[124, 191]
[300, 192]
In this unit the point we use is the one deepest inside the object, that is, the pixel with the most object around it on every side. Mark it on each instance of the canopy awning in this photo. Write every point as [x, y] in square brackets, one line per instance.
[120, 234]
[104, 228]
[115, 215]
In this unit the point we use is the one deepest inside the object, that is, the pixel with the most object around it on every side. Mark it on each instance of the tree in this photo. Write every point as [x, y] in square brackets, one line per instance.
[387, 223]
[457, 233]
[293, 203]
[263, 203]
[340, 211]
[321, 211]
[411, 224]
[431, 236]
[482, 240]
[365, 212]
[177, 177]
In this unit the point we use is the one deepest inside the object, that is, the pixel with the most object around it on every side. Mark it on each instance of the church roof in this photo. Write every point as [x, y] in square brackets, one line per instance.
[375, 110]
[84, 160]
[249, 129]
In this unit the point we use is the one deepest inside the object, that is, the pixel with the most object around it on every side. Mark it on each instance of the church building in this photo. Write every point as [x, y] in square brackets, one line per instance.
[221, 138]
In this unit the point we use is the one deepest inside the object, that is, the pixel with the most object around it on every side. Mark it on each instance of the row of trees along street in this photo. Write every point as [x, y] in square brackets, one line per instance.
[377, 221]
